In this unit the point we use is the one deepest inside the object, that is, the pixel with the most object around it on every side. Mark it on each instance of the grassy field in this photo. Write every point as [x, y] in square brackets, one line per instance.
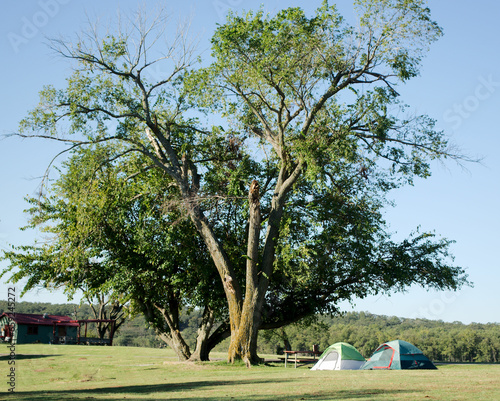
[59, 372]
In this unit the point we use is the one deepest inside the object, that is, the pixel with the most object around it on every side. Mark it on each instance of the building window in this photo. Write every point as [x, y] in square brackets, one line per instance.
[33, 330]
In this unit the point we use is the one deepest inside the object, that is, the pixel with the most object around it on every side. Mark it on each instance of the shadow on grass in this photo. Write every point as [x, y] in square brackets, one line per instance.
[27, 356]
[188, 391]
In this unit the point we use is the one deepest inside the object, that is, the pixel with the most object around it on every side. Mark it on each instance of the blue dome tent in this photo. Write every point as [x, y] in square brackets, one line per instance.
[398, 354]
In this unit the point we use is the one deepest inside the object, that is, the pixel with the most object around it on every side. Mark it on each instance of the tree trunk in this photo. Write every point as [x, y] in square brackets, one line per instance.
[118, 315]
[202, 350]
[102, 327]
[244, 342]
[166, 325]
[176, 342]
[174, 338]
[231, 286]
[245, 314]
[286, 341]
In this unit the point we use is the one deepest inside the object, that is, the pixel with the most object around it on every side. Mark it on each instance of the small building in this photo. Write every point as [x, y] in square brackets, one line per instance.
[30, 328]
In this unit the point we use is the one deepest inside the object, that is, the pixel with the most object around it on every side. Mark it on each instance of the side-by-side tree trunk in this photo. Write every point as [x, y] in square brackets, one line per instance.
[241, 341]
[247, 320]
[174, 337]
[202, 349]
[165, 322]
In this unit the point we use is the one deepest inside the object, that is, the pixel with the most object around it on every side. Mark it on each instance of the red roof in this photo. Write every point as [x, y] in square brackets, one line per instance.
[41, 320]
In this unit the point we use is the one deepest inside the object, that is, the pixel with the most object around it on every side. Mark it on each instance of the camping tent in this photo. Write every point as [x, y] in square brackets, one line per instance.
[398, 354]
[339, 356]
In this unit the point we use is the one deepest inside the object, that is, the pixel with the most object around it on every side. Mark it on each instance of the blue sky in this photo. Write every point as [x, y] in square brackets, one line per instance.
[459, 86]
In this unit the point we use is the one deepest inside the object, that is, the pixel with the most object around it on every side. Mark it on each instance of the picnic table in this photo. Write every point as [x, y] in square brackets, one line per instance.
[311, 356]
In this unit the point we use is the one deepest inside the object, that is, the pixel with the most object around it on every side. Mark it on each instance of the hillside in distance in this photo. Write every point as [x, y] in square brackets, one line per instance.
[440, 341]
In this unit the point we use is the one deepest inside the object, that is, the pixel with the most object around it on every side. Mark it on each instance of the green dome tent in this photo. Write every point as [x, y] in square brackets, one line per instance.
[339, 356]
[398, 354]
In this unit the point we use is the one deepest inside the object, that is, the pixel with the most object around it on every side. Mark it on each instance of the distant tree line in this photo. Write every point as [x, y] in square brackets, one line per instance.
[440, 341]
[74, 311]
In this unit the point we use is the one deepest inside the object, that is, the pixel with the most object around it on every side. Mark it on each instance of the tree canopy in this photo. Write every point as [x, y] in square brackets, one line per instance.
[115, 231]
[312, 125]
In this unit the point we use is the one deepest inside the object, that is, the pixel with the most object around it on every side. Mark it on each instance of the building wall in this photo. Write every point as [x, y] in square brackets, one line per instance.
[44, 334]
[23, 335]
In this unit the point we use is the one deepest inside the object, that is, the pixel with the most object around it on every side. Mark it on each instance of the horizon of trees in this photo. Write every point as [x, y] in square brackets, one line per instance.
[440, 341]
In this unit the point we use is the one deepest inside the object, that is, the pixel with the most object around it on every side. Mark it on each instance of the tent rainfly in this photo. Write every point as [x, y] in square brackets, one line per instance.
[339, 356]
[398, 354]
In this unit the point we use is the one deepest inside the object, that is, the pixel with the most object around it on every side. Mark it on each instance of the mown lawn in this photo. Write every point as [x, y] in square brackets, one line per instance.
[59, 372]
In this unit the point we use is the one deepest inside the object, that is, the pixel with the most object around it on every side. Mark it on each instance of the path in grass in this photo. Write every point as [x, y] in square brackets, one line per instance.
[59, 372]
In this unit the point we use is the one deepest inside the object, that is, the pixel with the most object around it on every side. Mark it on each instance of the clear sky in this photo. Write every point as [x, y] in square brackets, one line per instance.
[459, 85]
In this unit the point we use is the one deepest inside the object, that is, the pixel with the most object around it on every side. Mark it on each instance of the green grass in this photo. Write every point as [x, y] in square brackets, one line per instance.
[59, 372]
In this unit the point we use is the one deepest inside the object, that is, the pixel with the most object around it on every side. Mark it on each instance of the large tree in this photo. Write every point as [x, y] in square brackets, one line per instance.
[312, 109]
[112, 230]
[319, 95]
